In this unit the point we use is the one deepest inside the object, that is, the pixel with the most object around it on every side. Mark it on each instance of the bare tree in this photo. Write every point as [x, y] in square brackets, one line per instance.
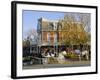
[32, 36]
[85, 19]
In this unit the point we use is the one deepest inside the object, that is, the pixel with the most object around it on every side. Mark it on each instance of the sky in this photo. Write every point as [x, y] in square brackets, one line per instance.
[30, 18]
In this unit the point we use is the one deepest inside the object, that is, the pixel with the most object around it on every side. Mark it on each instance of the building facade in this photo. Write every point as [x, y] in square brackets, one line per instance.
[48, 32]
[52, 32]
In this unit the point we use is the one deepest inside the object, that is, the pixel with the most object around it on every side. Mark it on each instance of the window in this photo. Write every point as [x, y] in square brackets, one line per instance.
[48, 37]
[55, 38]
[50, 26]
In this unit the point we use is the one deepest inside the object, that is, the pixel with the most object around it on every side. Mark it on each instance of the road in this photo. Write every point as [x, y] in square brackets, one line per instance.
[67, 64]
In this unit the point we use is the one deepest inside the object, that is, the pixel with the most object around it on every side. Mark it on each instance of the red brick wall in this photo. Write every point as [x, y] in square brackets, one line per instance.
[44, 36]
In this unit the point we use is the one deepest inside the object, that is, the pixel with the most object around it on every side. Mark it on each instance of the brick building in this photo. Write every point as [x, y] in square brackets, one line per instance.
[48, 31]
[51, 32]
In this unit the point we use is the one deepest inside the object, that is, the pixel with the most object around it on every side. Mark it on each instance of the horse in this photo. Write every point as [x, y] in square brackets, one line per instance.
[86, 54]
[82, 53]
[61, 57]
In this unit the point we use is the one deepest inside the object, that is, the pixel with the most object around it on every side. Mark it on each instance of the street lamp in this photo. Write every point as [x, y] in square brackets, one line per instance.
[56, 37]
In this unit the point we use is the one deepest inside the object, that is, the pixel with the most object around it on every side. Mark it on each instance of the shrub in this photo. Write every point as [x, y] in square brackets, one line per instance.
[71, 56]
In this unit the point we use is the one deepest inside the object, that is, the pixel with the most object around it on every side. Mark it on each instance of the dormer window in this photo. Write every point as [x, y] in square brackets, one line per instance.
[55, 26]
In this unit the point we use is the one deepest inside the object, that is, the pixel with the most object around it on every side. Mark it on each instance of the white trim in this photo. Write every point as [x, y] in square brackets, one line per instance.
[21, 72]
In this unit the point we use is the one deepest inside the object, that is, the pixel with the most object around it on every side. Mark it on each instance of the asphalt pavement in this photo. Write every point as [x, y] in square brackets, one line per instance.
[67, 64]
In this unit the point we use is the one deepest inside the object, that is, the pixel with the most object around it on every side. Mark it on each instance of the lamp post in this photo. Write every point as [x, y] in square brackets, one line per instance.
[55, 42]
[56, 37]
